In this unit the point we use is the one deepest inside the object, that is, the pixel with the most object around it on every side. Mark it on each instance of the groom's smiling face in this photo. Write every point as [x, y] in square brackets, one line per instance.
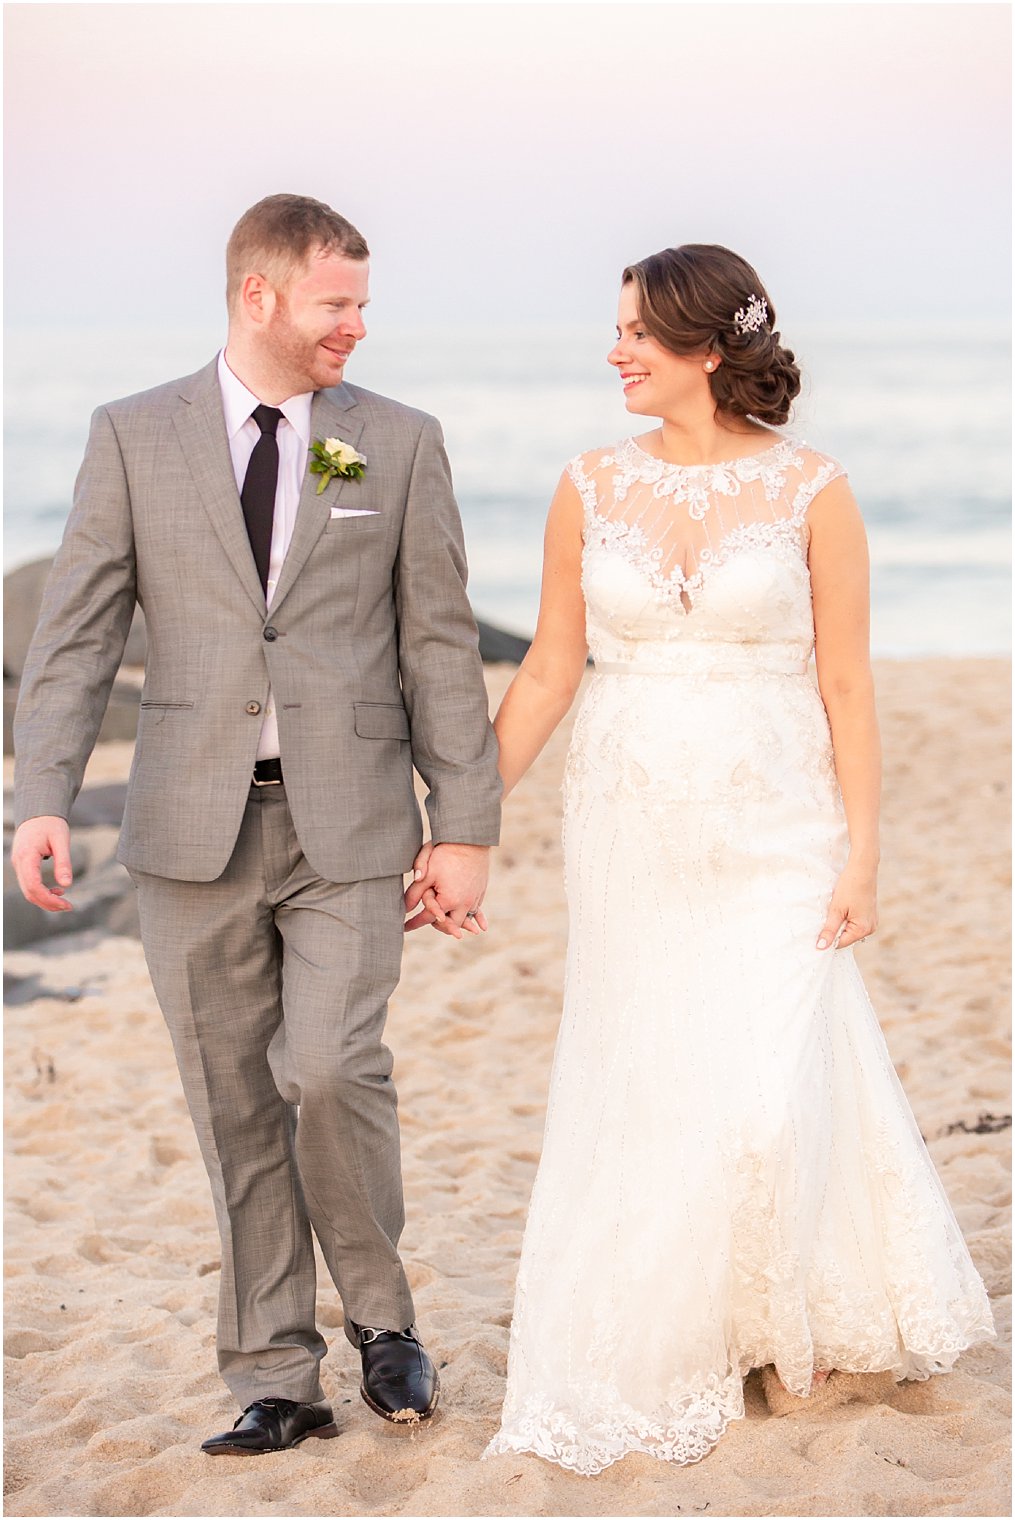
[318, 320]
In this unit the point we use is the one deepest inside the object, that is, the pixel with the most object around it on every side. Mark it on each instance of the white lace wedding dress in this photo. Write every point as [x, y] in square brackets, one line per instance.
[731, 1175]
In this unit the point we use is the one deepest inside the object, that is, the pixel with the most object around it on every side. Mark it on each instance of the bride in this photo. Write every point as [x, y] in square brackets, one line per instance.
[731, 1176]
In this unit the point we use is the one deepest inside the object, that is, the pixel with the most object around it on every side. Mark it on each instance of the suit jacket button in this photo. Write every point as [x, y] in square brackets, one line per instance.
[271, 634]
[253, 708]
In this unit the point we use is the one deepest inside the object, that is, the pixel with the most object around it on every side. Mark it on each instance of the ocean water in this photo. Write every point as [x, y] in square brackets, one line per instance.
[920, 419]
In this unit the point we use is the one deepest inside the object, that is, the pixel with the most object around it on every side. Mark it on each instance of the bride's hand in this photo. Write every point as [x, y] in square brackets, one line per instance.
[853, 908]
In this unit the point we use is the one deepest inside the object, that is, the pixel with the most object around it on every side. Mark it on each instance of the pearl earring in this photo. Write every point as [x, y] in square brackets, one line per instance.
[709, 366]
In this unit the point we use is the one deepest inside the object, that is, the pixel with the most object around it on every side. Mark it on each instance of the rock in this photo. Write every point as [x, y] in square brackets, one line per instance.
[98, 805]
[122, 916]
[496, 646]
[23, 590]
[21, 990]
[103, 893]
[104, 899]
[97, 845]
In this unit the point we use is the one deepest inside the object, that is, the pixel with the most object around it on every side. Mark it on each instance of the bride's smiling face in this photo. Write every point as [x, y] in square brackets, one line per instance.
[657, 383]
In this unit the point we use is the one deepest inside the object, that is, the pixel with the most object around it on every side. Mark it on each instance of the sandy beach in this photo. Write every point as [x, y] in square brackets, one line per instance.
[112, 1252]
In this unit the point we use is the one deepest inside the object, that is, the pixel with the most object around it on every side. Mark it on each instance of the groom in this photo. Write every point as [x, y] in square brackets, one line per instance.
[309, 642]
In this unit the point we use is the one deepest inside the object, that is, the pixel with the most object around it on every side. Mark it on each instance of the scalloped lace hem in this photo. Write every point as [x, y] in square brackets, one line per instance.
[551, 1434]
[587, 1446]
[591, 1458]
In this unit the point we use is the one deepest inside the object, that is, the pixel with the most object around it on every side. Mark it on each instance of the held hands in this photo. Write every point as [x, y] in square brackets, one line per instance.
[853, 911]
[449, 883]
[36, 840]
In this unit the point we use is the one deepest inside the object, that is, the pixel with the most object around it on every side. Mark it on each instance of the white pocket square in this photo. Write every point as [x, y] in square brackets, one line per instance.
[353, 512]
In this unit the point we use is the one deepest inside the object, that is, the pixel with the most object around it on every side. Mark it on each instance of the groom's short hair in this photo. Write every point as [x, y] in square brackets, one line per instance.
[278, 235]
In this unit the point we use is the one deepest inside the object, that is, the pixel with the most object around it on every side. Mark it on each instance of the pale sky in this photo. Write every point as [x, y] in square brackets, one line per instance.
[505, 161]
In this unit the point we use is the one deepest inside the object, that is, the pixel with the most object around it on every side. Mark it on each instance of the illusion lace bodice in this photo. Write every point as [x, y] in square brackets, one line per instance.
[679, 556]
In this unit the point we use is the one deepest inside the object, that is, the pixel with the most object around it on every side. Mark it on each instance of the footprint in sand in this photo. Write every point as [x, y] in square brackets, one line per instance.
[98, 1250]
[420, 1274]
[20, 1343]
[166, 1152]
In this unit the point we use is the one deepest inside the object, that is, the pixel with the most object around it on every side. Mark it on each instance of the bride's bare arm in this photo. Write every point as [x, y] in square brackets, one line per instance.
[840, 582]
[549, 676]
[541, 692]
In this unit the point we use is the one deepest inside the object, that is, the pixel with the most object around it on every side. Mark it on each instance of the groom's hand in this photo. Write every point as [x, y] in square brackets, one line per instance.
[449, 883]
[35, 841]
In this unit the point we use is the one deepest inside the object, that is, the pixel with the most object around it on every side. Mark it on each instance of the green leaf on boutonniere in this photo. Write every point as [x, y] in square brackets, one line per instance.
[334, 460]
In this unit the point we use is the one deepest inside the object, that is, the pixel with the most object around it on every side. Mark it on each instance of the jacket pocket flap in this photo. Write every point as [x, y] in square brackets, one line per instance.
[381, 720]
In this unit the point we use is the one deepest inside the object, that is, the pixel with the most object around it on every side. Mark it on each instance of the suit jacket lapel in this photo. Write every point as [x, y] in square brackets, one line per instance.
[333, 416]
[202, 431]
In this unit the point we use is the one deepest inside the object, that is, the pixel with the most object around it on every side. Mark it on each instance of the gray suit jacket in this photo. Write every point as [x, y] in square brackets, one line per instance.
[370, 648]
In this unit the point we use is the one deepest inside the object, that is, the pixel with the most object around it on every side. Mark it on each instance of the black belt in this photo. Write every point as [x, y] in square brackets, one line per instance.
[268, 773]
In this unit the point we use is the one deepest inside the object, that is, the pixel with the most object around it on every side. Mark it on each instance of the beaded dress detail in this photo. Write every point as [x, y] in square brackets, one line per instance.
[731, 1175]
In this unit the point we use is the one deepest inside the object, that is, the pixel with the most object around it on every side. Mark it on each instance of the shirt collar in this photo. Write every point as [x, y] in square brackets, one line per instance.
[238, 403]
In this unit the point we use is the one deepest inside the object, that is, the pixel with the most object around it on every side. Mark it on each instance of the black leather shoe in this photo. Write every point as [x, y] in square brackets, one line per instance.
[400, 1381]
[272, 1425]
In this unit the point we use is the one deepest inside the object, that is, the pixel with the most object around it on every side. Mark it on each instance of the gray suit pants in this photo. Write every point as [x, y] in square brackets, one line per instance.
[274, 984]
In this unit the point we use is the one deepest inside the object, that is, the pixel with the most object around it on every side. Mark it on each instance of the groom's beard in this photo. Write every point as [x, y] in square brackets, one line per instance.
[299, 361]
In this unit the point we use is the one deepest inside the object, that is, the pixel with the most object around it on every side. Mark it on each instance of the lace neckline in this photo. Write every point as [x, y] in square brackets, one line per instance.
[723, 465]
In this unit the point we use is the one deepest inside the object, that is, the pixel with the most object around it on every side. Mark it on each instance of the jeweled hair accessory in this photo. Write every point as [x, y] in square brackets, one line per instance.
[752, 317]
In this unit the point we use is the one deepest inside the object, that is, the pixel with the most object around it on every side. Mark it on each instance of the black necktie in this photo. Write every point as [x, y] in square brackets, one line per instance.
[258, 495]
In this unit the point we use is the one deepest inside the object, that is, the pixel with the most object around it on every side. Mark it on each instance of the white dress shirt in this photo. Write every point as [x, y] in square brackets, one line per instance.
[293, 437]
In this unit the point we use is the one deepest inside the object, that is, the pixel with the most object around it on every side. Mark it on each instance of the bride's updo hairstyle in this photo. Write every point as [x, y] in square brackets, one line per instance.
[703, 299]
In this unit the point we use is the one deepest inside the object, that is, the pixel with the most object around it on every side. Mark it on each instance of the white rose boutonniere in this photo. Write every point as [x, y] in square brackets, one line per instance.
[333, 460]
